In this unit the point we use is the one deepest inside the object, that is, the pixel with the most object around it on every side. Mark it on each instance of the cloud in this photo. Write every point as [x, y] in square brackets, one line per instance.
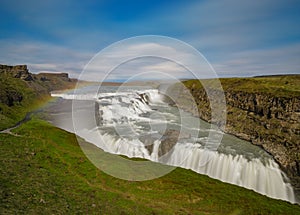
[125, 59]
[284, 60]
[43, 57]
[238, 38]
[150, 68]
[145, 55]
[243, 38]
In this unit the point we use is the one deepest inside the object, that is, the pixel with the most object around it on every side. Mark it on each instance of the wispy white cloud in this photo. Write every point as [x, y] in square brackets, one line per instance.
[145, 55]
[238, 38]
[244, 38]
[284, 60]
[43, 57]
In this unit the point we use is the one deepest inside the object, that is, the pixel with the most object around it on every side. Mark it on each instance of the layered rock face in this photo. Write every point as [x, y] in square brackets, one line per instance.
[16, 81]
[19, 71]
[265, 118]
[271, 122]
[9, 95]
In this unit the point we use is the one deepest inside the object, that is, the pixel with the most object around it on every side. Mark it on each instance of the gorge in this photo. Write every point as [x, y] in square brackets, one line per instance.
[262, 110]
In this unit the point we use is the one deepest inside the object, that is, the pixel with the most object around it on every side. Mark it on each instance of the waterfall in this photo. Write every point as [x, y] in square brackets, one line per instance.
[126, 118]
[253, 174]
[266, 178]
[74, 96]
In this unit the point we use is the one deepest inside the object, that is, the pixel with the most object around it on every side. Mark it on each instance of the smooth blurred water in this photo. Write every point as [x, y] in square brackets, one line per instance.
[131, 119]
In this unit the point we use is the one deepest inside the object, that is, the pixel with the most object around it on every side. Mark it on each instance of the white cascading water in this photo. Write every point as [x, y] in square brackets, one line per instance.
[133, 108]
[72, 96]
[265, 179]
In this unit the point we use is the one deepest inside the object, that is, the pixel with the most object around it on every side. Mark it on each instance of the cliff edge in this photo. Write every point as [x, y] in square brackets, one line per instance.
[262, 110]
[20, 90]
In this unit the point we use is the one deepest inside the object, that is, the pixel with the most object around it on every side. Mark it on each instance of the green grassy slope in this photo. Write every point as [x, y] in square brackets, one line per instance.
[12, 87]
[279, 86]
[17, 96]
[43, 171]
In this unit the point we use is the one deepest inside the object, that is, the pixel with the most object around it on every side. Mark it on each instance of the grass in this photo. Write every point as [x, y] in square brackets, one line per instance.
[279, 86]
[9, 116]
[44, 171]
[10, 87]
[31, 94]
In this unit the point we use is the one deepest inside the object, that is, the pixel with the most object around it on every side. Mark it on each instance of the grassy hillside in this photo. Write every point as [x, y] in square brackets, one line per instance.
[279, 86]
[21, 91]
[17, 98]
[43, 171]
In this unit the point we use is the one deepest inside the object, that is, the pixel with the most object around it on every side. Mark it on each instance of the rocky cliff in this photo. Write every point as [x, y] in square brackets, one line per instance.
[262, 110]
[19, 89]
[40, 83]
[19, 71]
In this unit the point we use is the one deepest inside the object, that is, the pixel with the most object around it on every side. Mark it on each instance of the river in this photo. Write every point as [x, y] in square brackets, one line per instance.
[137, 122]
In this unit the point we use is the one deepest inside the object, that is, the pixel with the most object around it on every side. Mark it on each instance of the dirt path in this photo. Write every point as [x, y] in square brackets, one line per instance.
[18, 124]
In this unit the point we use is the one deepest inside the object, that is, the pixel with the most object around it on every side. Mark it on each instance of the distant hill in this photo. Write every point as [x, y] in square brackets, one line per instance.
[20, 90]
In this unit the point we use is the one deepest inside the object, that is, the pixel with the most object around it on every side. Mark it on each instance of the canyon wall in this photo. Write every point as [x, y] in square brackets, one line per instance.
[264, 111]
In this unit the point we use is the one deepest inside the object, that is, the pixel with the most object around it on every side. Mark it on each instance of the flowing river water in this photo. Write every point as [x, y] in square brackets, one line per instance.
[136, 122]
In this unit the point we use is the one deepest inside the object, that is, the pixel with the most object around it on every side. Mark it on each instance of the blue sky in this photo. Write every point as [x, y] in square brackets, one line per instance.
[239, 38]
